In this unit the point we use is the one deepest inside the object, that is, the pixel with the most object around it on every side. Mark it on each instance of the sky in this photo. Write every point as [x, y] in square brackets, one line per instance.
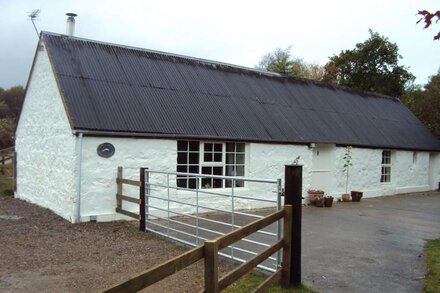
[237, 32]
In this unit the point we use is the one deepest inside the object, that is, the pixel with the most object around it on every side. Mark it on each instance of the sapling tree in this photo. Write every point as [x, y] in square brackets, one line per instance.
[347, 164]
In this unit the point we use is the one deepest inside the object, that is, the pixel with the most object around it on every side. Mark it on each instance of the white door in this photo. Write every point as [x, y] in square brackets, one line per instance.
[323, 167]
[434, 176]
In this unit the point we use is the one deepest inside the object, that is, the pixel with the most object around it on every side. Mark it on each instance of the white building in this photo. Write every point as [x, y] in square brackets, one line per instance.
[170, 112]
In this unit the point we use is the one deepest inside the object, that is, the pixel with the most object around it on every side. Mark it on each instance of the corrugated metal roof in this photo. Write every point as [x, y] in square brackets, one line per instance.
[115, 88]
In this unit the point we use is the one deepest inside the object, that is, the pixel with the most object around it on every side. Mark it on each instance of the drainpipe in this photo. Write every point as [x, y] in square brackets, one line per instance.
[78, 176]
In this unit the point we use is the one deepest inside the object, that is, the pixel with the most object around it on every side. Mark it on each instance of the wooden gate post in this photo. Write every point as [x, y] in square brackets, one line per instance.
[119, 188]
[142, 199]
[293, 196]
[211, 266]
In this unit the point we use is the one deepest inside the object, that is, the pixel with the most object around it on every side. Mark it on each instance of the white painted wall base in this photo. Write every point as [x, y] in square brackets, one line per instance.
[409, 189]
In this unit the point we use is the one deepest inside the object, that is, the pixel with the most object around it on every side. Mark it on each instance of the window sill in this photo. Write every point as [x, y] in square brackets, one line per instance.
[225, 191]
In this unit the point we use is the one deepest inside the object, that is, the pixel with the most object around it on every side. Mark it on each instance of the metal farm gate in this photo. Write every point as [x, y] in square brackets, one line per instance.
[180, 206]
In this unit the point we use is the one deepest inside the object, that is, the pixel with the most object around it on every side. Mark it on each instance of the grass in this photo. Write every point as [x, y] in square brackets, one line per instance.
[251, 280]
[432, 279]
[6, 182]
[5, 186]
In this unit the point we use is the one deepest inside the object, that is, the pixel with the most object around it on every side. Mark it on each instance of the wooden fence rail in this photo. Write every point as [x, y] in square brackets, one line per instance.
[7, 158]
[159, 272]
[289, 273]
[120, 196]
[212, 247]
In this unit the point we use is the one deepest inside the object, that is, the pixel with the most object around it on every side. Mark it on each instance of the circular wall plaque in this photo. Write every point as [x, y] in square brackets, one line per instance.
[106, 150]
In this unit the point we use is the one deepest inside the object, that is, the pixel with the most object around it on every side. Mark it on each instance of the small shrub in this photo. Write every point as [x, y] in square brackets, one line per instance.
[8, 192]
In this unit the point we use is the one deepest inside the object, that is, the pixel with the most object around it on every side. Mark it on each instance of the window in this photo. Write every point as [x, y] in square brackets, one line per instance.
[212, 164]
[235, 163]
[223, 159]
[386, 167]
[188, 155]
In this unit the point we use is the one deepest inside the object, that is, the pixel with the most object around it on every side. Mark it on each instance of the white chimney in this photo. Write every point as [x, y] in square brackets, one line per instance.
[70, 28]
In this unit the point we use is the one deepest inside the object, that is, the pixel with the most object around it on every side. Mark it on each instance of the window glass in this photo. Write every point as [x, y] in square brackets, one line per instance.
[194, 146]
[218, 147]
[207, 157]
[182, 158]
[182, 145]
[240, 147]
[208, 147]
[193, 158]
[240, 158]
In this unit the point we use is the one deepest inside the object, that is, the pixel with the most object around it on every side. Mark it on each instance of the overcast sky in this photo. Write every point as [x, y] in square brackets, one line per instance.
[237, 32]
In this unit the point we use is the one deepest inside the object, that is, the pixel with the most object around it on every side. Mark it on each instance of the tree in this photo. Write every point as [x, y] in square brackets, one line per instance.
[427, 18]
[13, 98]
[281, 61]
[425, 103]
[10, 104]
[370, 66]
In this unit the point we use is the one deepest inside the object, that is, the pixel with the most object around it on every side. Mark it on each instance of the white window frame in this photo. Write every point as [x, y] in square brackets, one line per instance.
[388, 166]
[223, 164]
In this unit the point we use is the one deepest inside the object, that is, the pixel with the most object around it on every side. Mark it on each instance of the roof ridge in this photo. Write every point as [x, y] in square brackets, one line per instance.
[230, 65]
[209, 61]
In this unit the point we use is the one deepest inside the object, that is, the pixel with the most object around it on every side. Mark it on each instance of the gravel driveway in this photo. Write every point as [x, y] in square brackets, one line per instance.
[41, 252]
[372, 246]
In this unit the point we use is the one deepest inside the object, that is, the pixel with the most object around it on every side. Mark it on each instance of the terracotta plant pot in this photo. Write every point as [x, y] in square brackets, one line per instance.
[319, 202]
[314, 195]
[345, 197]
[328, 201]
[356, 195]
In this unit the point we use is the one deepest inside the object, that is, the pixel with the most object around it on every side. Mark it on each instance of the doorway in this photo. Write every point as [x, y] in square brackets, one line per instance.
[323, 167]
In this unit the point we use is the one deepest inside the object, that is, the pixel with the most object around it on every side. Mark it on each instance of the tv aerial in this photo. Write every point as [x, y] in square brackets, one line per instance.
[33, 16]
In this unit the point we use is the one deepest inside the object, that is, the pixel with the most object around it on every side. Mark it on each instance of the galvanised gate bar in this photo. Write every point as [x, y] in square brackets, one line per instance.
[193, 215]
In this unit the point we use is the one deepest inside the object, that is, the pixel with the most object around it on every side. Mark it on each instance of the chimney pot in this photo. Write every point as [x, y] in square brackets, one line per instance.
[70, 28]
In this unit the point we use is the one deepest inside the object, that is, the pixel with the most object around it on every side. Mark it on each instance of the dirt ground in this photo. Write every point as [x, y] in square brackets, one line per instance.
[41, 252]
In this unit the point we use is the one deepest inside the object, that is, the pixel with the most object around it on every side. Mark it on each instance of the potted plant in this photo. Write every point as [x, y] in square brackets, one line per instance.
[356, 195]
[319, 202]
[313, 194]
[328, 201]
[346, 170]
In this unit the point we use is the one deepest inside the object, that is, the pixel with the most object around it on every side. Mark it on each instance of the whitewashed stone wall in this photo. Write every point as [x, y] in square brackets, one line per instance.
[98, 176]
[266, 161]
[45, 145]
[365, 173]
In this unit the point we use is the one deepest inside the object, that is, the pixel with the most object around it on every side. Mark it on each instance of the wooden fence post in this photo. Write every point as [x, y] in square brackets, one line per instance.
[211, 267]
[293, 197]
[287, 248]
[119, 188]
[142, 200]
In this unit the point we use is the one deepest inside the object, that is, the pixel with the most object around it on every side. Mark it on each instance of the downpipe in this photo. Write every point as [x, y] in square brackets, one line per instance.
[78, 177]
